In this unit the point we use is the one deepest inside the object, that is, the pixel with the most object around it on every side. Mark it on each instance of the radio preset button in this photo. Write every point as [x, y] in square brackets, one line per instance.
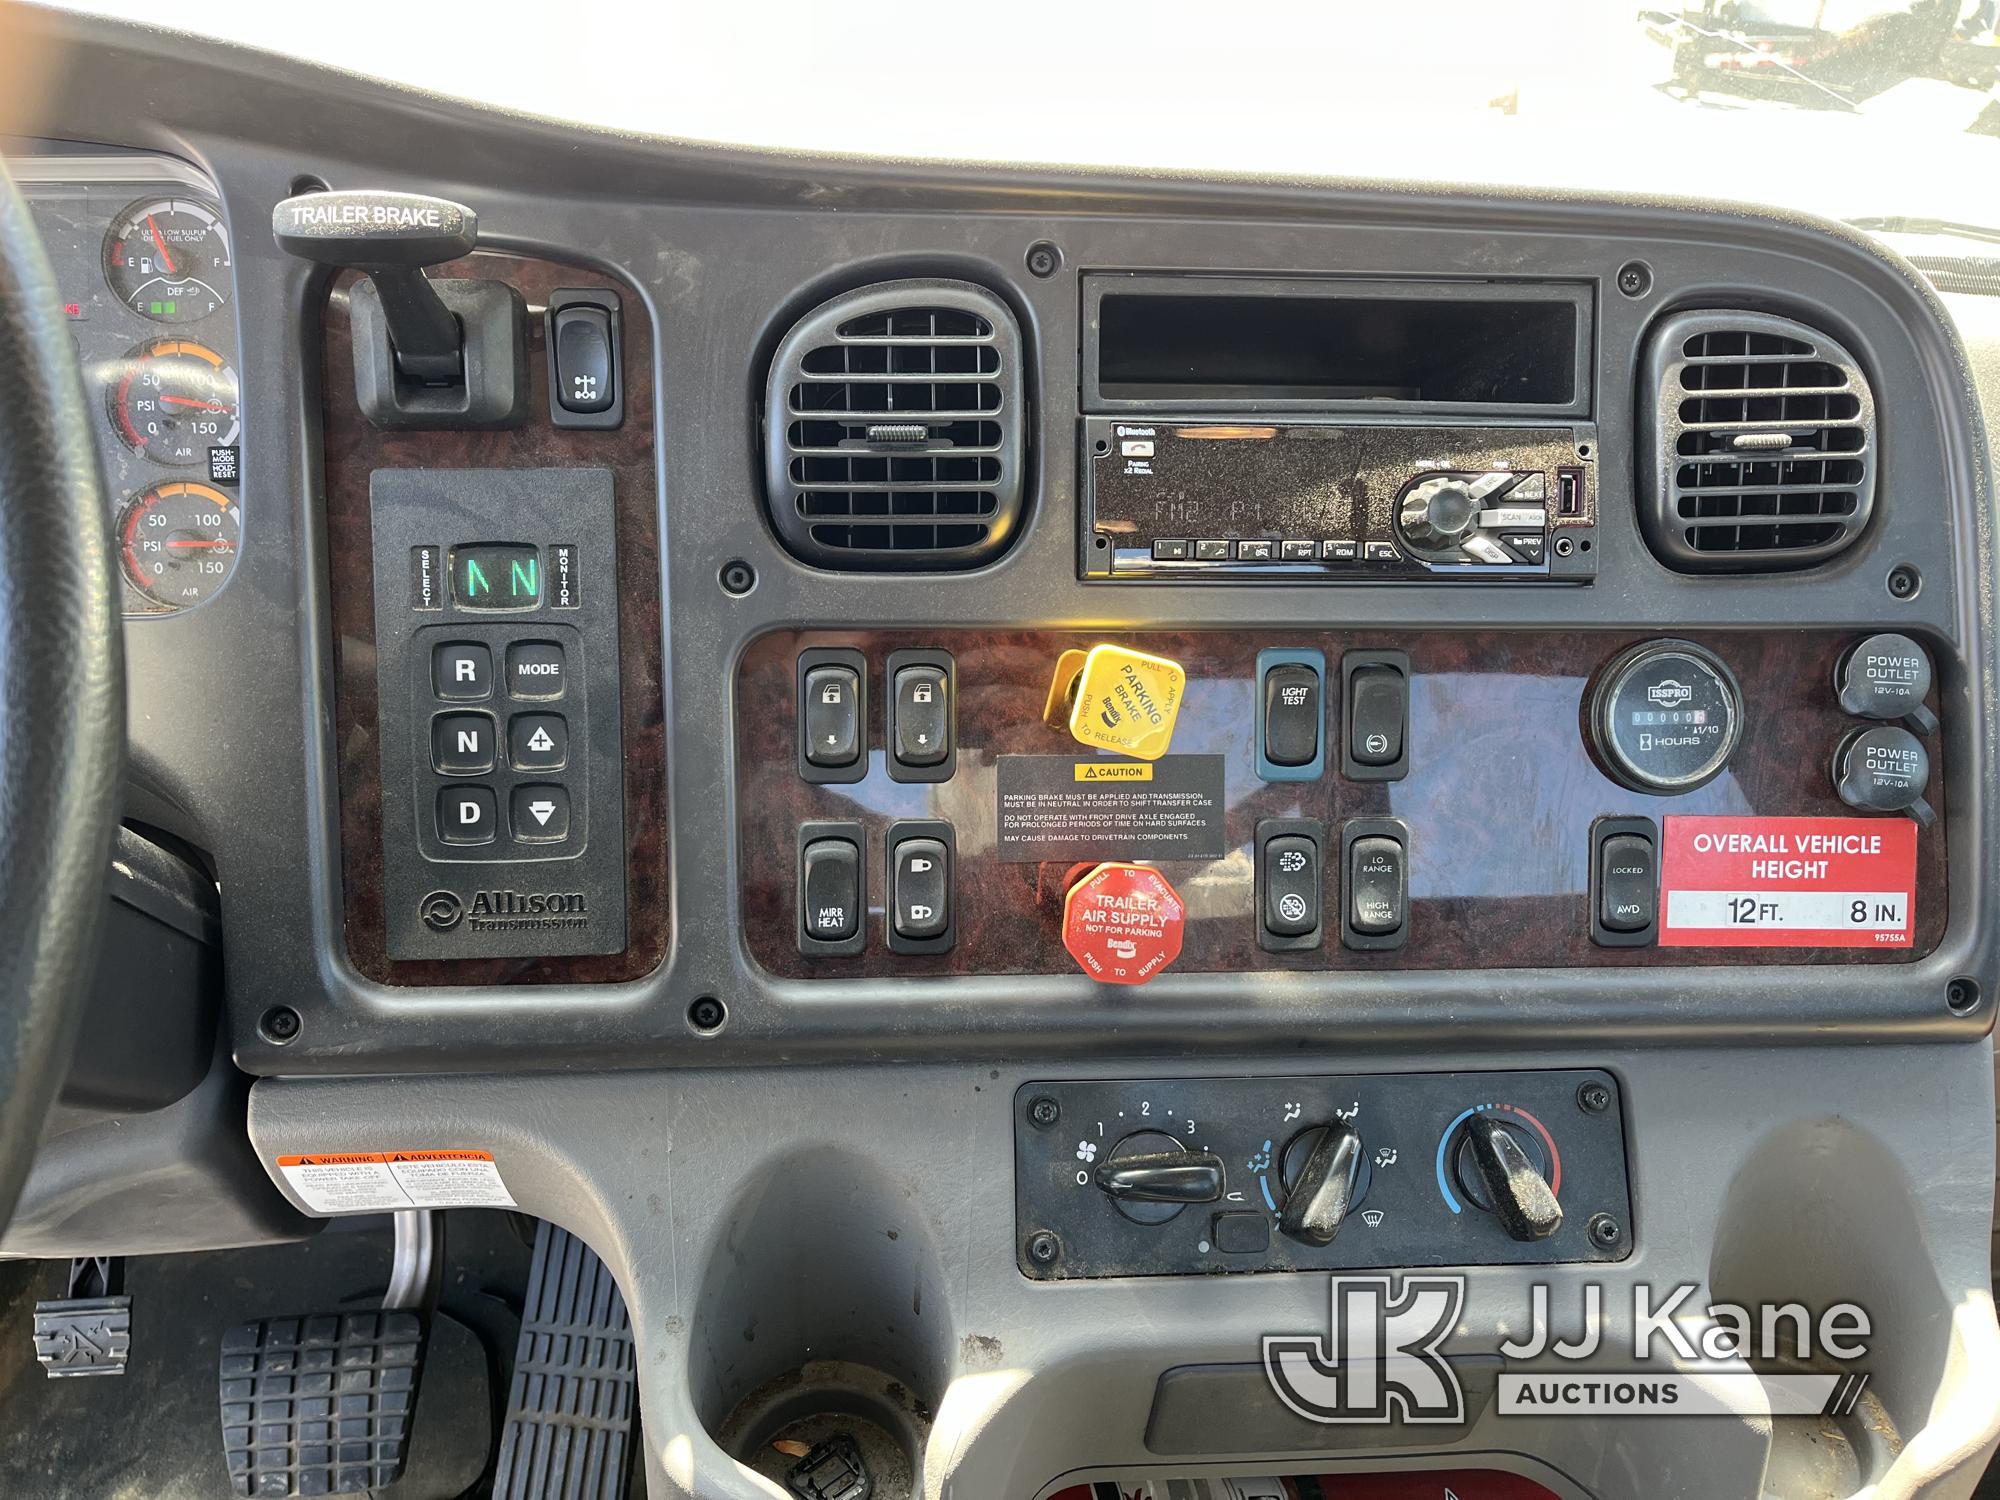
[1173, 549]
[1212, 549]
[1296, 551]
[1339, 551]
[1381, 552]
[1253, 551]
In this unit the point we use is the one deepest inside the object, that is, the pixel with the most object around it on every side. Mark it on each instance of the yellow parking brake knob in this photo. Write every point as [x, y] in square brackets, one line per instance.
[1115, 698]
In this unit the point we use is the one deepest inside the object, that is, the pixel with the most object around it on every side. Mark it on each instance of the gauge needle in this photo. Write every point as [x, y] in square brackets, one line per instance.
[160, 245]
[191, 401]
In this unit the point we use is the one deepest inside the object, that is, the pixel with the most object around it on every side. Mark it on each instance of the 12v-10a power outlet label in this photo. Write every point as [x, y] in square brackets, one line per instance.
[1788, 883]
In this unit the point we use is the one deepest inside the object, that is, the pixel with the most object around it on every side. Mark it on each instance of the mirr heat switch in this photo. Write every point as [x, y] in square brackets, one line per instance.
[830, 895]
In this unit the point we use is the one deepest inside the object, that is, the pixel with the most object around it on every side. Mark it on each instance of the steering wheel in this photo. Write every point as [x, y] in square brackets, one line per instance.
[62, 693]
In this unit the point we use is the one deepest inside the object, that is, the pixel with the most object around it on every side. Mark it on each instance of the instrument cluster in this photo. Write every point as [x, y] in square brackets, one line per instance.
[145, 271]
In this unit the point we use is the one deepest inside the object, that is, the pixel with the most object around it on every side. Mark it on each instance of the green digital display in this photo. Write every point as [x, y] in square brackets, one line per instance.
[496, 575]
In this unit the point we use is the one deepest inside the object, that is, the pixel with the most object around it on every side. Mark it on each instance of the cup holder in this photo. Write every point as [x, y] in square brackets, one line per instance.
[822, 1314]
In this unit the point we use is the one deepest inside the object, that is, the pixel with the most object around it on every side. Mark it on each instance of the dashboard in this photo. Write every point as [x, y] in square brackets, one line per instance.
[1092, 723]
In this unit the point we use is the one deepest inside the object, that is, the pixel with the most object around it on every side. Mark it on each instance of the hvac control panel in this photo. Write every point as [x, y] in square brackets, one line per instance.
[1192, 1176]
[497, 668]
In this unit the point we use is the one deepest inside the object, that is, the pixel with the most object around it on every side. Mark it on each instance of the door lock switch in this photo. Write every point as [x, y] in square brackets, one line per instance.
[921, 857]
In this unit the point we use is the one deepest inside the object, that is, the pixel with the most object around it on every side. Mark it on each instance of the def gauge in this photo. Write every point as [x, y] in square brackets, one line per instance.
[1666, 717]
[168, 259]
[177, 542]
[172, 400]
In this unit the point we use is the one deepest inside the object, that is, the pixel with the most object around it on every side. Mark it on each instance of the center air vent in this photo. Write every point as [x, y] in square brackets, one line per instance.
[893, 424]
[1762, 437]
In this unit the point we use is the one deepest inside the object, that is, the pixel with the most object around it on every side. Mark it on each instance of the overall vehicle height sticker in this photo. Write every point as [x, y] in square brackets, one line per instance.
[1788, 883]
[360, 1182]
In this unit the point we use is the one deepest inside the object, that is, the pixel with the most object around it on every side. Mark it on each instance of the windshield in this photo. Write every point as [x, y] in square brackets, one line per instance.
[1842, 107]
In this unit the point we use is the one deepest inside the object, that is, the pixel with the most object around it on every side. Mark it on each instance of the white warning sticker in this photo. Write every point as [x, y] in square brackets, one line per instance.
[373, 1182]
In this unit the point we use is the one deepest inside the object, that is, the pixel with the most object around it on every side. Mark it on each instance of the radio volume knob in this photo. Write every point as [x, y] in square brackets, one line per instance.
[1437, 514]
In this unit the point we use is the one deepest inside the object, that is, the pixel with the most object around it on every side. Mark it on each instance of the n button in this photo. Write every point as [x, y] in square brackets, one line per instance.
[462, 744]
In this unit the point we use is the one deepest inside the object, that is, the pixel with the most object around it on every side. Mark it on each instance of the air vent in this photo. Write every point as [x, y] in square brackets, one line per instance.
[893, 425]
[1762, 433]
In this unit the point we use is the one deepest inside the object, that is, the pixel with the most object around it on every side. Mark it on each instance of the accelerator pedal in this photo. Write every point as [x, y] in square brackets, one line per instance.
[574, 1395]
[321, 1405]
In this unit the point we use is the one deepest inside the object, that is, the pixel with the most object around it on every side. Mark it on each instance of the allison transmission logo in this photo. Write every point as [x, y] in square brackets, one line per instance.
[503, 910]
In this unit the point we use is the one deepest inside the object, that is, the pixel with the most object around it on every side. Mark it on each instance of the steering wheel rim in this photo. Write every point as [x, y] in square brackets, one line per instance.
[62, 693]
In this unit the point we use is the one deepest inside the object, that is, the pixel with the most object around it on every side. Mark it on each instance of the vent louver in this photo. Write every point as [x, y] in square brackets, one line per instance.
[1762, 436]
[893, 423]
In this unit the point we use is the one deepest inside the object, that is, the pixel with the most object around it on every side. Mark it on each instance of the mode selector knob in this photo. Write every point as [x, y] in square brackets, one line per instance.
[1322, 1182]
[1437, 514]
[1884, 768]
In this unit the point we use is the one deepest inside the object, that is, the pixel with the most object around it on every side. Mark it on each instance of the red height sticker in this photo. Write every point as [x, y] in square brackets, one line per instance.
[1788, 883]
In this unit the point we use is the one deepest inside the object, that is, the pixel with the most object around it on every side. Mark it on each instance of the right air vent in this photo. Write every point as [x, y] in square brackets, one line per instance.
[893, 427]
[1761, 433]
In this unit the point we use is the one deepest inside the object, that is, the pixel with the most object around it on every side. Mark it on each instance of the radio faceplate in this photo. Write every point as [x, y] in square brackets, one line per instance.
[1194, 497]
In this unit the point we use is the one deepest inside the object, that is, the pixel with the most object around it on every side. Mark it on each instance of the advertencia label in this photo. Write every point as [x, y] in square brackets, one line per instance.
[359, 1182]
[1788, 883]
[1068, 808]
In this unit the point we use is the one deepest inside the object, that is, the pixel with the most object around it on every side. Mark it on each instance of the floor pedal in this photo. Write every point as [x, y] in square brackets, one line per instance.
[320, 1405]
[571, 1407]
[89, 1330]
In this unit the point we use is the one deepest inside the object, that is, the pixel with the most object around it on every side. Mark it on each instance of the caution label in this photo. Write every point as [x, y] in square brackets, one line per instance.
[1788, 883]
[373, 1182]
[1060, 809]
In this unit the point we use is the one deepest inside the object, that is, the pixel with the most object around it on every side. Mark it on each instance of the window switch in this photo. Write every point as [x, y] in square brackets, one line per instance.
[833, 716]
[923, 715]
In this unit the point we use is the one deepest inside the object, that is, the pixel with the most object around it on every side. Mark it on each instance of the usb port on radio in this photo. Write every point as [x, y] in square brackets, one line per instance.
[1569, 492]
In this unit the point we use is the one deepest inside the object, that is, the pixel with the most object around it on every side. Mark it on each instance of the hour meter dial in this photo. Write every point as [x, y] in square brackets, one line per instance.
[1665, 717]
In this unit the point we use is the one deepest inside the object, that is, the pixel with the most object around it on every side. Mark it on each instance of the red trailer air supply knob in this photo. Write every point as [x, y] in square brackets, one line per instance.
[1123, 923]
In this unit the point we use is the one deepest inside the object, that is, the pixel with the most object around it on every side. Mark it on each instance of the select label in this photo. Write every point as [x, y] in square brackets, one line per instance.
[1068, 808]
[1788, 883]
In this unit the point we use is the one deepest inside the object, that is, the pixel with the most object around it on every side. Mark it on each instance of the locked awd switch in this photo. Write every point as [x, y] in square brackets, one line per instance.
[1123, 923]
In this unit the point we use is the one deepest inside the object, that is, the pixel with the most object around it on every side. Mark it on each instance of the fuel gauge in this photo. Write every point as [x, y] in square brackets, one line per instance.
[173, 400]
[177, 542]
[168, 259]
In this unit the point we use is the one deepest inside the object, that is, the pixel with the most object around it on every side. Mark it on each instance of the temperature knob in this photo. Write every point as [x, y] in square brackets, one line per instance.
[1437, 514]
[1323, 1182]
[1884, 768]
[1151, 1177]
[1498, 1173]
